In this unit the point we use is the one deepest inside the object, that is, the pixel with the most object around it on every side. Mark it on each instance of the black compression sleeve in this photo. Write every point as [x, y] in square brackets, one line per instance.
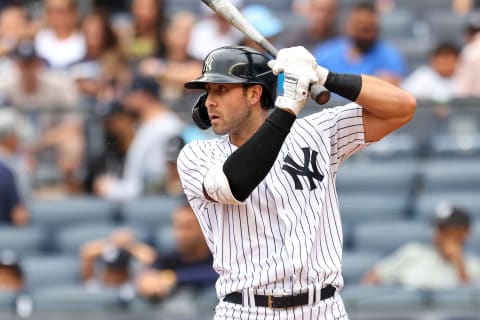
[248, 165]
[345, 85]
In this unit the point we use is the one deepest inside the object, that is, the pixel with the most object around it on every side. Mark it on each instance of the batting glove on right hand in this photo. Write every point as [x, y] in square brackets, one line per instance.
[296, 86]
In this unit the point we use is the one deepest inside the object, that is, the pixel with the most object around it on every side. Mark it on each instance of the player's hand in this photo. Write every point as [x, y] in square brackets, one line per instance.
[296, 86]
[297, 55]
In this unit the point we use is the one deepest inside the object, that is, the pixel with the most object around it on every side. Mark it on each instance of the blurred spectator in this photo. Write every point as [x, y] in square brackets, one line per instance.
[14, 26]
[11, 274]
[110, 262]
[462, 7]
[265, 21]
[190, 265]
[321, 24]
[467, 81]
[13, 181]
[441, 265]
[103, 73]
[145, 164]
[60, 43]
[49, 101]
[212, 32]
[118, 132]
[173, 186]
[174, 65]
[360, 51]
[142, 38]
[435, 80]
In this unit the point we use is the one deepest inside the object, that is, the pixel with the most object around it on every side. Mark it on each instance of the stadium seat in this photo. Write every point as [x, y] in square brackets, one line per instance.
[357, 207]
[393, 147]
[48, 270]
[7, 302]
[455, 146]
[163, 238]
[397, 24]
[445, 25]
[451, 175]
[473, 243]
[74, 298]
[356, 263]
[426, 203]
[454, 299]
[150, 212]
[70, 211]
[276, 5]
[70, 239]
[367, 298]
[22, 240]
[394, 176]
[384, 237]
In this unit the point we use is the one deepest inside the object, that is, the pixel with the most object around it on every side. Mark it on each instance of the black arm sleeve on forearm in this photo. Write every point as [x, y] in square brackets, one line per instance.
[345, 85]
[250, 164]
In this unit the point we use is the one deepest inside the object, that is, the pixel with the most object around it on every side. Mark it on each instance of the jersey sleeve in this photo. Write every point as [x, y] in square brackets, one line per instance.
[193, 163]
[346, 132]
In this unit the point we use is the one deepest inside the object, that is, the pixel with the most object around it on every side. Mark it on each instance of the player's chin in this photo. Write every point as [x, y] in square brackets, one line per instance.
[218, 128]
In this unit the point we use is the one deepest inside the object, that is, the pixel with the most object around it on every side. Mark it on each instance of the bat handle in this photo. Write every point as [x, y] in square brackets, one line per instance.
[319, 93]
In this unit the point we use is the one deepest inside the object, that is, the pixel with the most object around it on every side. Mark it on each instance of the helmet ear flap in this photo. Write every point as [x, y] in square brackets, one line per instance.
[200, 114]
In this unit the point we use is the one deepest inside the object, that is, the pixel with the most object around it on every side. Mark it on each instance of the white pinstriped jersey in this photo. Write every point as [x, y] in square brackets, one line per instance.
[288, 233]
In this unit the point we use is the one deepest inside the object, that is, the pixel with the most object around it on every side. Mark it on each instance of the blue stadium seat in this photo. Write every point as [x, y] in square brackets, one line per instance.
[377, 176]
[74, 298]
[163, 238]
[276, 5]
[426, 203]
[367, 298]
[455, 146]
[393, 147]
[357, 207]
[24, 240]
[356, 263]
[70, 239]
[455, 299]
[48, 270]
[445, 25]
[384, 237]
[7, 302]
[473, 243]
[451, 175]
[150, 212]
[70, 211]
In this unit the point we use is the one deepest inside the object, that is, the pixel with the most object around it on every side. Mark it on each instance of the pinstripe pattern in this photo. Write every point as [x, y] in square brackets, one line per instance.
[282, 239]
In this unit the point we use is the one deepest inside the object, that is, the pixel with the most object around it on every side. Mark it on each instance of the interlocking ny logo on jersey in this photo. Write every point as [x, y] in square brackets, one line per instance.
[296, 170]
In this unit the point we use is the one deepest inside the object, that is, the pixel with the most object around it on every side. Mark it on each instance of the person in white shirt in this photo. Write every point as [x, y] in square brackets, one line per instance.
[435, 80]
[440, 265]
[60, 43]
[145, 164]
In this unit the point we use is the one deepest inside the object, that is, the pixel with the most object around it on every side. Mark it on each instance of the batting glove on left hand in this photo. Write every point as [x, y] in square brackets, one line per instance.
[296, 86]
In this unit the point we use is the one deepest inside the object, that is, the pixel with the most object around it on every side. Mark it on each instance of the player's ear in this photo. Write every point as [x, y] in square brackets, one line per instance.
[254, 94]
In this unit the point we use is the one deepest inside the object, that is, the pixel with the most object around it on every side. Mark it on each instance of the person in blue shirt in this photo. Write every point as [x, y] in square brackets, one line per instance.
[189, 265]
[12, 203]
[360, 51]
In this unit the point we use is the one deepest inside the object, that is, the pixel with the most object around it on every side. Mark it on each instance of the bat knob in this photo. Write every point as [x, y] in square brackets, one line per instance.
[319, 94]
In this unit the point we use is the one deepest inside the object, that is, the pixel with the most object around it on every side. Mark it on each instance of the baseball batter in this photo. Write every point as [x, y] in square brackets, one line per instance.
[264, 192]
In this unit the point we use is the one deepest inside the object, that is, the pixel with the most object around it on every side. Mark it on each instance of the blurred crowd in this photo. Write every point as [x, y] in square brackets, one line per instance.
[92, 103]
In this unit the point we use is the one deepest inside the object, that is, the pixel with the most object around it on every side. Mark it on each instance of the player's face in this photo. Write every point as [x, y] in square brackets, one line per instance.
[227, 107]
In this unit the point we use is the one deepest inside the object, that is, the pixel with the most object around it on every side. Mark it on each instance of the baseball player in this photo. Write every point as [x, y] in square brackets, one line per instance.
[264, 192]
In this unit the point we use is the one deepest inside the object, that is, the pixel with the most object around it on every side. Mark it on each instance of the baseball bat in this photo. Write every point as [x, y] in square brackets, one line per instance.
[228, 11]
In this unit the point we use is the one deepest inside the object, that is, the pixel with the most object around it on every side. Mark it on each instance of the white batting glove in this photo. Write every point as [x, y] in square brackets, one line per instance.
[296, 86]
[297, 55]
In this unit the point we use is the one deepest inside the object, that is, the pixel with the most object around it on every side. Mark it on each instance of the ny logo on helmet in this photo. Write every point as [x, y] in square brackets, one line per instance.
[207, 66]
[296, 170]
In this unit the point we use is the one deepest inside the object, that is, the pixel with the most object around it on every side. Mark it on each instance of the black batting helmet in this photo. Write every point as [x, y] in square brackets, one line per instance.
[233, 64]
